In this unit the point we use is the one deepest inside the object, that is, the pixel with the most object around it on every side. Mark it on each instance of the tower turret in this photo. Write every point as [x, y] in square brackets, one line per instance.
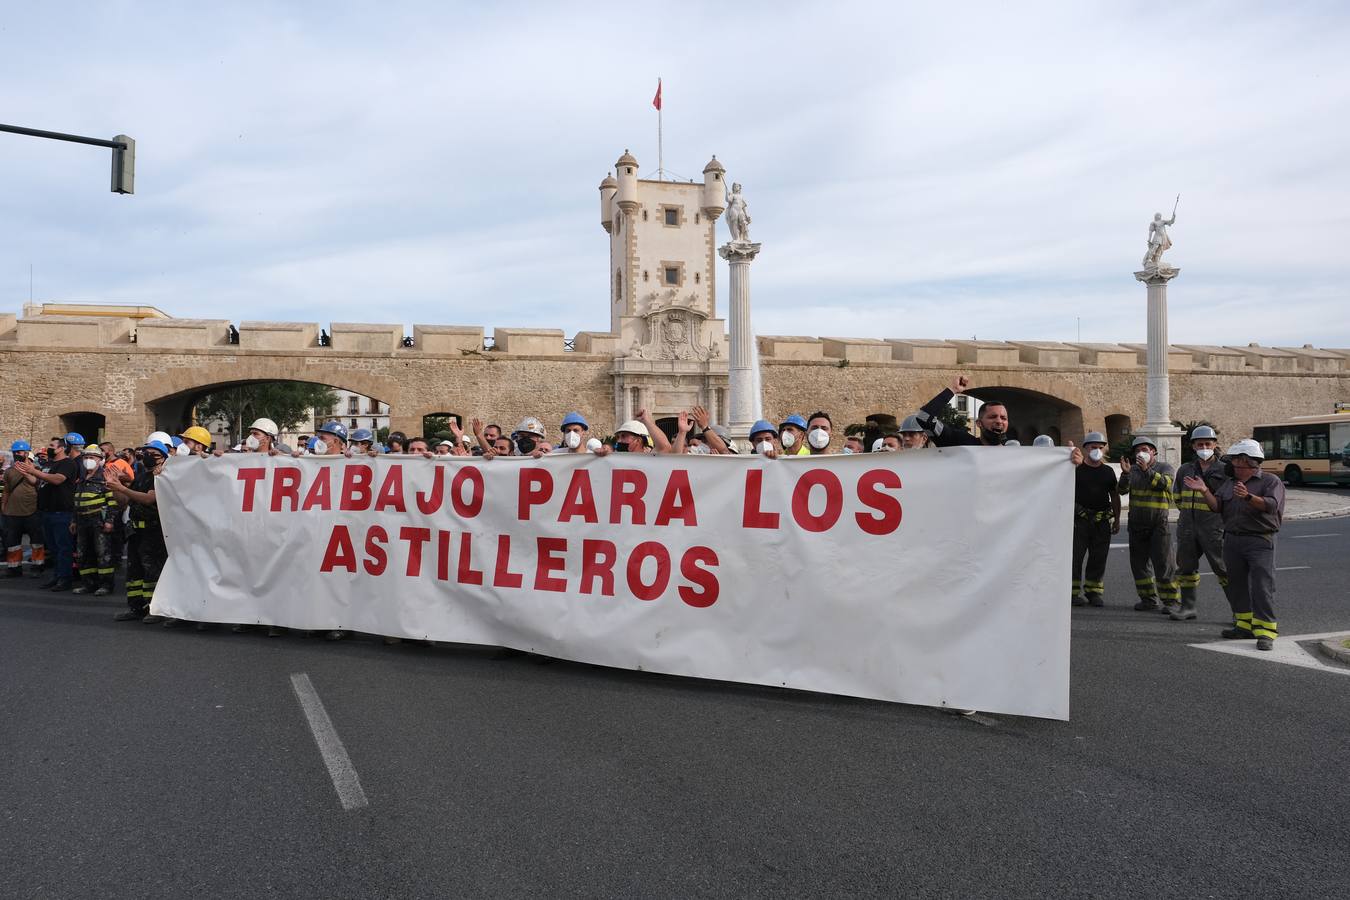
[608, 188]
[714, 189]
[627, 171]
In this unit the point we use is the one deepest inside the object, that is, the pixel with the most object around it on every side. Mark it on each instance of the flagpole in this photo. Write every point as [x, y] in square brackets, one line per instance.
[660, 148]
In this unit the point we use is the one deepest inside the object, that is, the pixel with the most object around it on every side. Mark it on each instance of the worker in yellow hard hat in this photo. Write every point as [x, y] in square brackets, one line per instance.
[197, 439]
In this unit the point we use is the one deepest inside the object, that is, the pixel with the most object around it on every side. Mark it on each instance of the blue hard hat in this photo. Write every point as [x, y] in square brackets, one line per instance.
[20, 446]
[158, 446]
[314, 442]
[74, 439]
[762, 425]
[574, 418]
[363, 434]
[176, 441]
[335, 428]
[794, 419]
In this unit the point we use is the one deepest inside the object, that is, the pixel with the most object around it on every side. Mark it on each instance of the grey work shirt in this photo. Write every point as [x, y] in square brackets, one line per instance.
[1240, 516]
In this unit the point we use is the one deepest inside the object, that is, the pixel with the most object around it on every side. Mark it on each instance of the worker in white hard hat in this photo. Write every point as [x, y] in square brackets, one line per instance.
[1252, 505]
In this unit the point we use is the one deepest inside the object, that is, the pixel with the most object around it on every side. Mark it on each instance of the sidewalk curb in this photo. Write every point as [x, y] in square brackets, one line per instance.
[1336, 649]
[1320, 514]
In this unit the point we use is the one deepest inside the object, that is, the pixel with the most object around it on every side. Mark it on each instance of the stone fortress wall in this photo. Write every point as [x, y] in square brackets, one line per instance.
[140, 374]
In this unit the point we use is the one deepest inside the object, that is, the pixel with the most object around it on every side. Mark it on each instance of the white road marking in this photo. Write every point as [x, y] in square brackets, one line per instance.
[1286, 651]
[1277, 569]
[335, 757]
[1299, 537]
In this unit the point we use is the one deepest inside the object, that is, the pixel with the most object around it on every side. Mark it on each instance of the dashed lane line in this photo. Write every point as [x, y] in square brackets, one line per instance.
[334, 754]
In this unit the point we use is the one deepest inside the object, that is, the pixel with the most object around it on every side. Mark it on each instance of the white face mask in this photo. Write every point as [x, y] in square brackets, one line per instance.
[848, 451]
[1095, 454]
[183, 450]
[819, 438]
[594, 444]
[573, 439]
[1206, 453]
[1143, 456]
[700, 449]
[320, 448]
[787, 438]
[253, 443]
[90, 465]
[763, 448]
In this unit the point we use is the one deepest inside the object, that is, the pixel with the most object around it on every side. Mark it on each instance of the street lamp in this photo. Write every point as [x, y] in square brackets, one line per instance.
[123, 157]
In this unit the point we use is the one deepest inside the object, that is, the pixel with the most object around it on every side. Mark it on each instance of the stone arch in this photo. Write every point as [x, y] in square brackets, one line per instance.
[85, 422]
[1032, 411]
[1118, 427]
[166, 398]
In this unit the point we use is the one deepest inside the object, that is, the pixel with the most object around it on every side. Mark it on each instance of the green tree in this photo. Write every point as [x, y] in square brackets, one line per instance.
[288, 403]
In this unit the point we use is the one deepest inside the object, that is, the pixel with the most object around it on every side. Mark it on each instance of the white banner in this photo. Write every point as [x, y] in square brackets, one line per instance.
[936, 577]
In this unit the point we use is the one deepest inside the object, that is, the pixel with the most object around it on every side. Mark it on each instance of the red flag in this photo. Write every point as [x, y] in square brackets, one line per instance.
[656, 101]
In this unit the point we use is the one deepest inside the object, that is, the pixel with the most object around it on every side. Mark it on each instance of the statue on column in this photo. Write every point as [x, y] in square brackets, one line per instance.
[1158, 241]
[738, 215]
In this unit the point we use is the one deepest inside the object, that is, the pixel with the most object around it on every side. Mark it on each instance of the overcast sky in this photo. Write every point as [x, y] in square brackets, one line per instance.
[978, 169]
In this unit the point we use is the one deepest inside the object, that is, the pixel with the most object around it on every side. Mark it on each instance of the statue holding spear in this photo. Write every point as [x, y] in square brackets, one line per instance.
[1158, 240]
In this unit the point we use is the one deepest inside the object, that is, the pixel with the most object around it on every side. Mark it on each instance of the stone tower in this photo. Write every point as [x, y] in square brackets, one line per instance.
[662, 285]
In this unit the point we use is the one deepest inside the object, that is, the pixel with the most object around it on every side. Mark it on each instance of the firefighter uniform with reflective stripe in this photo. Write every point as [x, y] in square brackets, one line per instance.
[146, 552]
[94, 511]
[1199, 531]
[1249, 551]
[1152, 558]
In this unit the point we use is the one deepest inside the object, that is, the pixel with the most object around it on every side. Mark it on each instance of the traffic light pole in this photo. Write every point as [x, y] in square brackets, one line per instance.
[123, 148]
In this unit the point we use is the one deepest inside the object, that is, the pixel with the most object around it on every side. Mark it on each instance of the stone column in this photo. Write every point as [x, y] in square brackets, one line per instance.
[1158, 416]
[743, 403]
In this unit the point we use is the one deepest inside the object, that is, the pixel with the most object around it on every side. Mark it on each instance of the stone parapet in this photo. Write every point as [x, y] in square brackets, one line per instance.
[603, 343]
[1267, 359]
[1218, 359]
[8, 324]
[448, 339]
[1106, 356]
[1047, 353]
[1179, 359]
[856, 349]
[924, 351]
[73, 331]
[278, 335]
[183, 334]
[1310, 358]
[987, 353]
[528, 341]
[363, 337]
[790, 347]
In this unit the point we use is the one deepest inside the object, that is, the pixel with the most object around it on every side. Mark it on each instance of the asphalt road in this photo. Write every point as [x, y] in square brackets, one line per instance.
[142, 762]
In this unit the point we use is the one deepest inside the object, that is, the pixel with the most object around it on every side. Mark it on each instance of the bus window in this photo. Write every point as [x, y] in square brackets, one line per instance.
[1290, 445]
[1314, 441]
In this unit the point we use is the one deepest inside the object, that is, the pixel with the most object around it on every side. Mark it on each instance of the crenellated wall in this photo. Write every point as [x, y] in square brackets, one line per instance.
[142, 374]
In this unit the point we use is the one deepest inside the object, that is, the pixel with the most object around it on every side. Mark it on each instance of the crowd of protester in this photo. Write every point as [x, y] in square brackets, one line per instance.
[72, 512]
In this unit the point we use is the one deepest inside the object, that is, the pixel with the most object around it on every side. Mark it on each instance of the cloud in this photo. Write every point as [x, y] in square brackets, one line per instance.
[912, 172]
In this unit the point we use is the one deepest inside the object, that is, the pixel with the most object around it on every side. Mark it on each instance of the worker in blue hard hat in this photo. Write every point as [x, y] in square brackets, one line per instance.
[19, 513]
[332, 437]
[792, 436]
[764, 439]
[575, 434]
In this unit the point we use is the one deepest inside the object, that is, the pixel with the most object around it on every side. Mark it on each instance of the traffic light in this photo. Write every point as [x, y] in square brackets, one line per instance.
[124, 166]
